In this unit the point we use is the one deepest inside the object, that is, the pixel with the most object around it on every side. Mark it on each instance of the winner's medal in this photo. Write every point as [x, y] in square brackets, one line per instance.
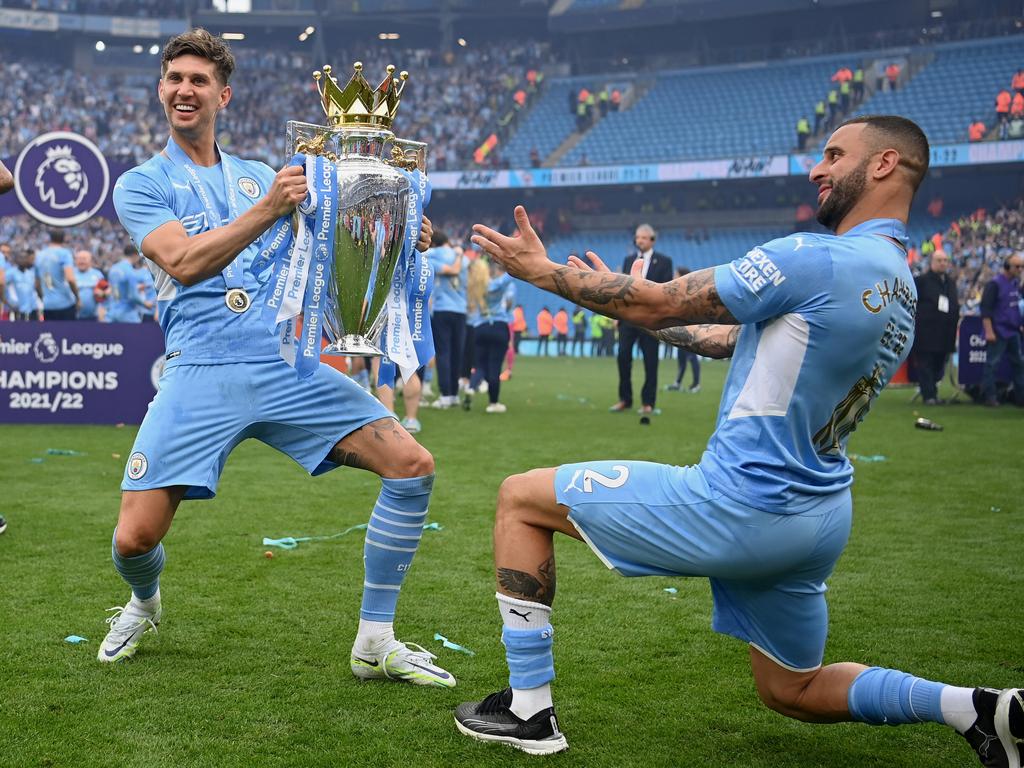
[237, 300]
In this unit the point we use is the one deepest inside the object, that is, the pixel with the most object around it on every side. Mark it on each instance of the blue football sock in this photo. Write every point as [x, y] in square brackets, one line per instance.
[142, 572]
[531, 663]
[392, 537]
[890, 697]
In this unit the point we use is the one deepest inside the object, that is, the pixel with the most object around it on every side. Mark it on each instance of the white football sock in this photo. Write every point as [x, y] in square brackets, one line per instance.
[957, 706]
[526, 703]
[522, 614]
[148, 605]
[374, 635]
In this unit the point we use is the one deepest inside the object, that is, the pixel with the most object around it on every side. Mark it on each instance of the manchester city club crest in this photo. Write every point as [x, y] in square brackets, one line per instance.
[249, 186]
[61, 178]
[137, 465]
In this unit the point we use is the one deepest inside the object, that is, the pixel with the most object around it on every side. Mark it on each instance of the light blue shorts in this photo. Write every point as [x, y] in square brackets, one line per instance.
[767, 571]
[201, 412]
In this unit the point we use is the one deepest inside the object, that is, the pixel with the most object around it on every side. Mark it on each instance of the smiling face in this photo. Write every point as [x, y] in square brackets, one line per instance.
[841, 176]
[192, 95]
[83, 261]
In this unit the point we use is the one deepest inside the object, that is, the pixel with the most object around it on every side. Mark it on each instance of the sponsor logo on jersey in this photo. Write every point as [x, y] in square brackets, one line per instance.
[62, 178]
[757, 270]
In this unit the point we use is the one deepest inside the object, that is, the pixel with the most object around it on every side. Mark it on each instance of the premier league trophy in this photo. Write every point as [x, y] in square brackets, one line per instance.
[374, 202]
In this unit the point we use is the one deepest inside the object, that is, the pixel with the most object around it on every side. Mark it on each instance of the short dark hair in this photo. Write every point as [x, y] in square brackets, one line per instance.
[130, 250]
[199, 42]
[903, 135]
[56, 235]
[438, 238]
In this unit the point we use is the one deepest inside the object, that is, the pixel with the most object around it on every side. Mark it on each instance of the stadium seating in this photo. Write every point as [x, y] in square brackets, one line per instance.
[957, 87]
[687, 114]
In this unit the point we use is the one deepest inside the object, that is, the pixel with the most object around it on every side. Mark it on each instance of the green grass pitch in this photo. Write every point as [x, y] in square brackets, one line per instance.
[251, 664]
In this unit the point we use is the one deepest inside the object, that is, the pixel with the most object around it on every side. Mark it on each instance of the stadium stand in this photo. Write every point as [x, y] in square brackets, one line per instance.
[974, 71]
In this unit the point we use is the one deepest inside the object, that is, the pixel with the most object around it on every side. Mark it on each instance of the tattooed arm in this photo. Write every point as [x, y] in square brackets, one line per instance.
[684, 301]
[716, 341]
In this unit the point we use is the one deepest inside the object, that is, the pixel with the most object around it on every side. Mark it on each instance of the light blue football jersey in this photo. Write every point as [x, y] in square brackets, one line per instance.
[827, 320]
[198, 326]
[21, 289]
[125, 299]
[500, 296]
[50, 264]
[86, 285]
[147, 287]
[449, 290]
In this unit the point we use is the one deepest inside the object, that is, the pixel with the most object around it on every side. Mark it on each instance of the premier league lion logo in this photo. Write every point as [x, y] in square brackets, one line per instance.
[60, 181]
[45, 348]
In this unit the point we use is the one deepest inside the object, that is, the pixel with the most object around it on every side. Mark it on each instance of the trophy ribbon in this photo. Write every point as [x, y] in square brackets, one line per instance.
[293, 258]
[232, 273]
[408, 322]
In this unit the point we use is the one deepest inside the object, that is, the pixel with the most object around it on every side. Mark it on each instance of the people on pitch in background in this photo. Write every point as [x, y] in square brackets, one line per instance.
[412, 391]
[448, 318]
[91, 291]
[1001, 319]
[938, 313]
[126, 300]
[545, 324]
[225, 379]
[147, 288]
[657, 267]
[56, 273]
[579, 331]
[491, 295]
[518, 327]
[22, 285]
[686, 358]
[767, 512]
[561, 324]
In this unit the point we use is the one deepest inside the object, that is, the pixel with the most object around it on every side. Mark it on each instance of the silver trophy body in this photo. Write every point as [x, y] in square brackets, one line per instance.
[371, 223]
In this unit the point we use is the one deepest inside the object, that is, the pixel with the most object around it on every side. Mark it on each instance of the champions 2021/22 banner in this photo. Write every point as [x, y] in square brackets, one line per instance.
[78, 372]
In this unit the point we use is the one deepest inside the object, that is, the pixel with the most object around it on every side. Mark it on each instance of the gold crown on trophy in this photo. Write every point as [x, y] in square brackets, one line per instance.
[359, 103]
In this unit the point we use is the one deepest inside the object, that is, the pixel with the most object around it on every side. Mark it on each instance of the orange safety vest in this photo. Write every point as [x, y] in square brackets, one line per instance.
[518, 320]
[977, 131]
[1003, 102]
[1018, 81]
[892, 72]
[544, 323]
[562, 322]
[1017, 107]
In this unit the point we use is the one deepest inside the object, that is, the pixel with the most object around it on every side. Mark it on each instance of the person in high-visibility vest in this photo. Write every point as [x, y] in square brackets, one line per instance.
[976, 131]
[819, 115]
[518, 326]
[858, 85]
[803, 130]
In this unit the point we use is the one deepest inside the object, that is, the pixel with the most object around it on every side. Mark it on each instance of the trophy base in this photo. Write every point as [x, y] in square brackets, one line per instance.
[352, 345]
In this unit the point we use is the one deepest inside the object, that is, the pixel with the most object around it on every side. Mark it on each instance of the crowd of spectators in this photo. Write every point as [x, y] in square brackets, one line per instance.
[977, 245]
[451, 101]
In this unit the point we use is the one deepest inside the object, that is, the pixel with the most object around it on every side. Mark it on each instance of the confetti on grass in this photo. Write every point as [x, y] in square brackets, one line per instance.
[454, 646]
[291, 542]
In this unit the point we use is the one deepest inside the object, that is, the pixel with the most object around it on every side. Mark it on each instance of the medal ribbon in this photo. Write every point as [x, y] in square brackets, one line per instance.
[232, 273]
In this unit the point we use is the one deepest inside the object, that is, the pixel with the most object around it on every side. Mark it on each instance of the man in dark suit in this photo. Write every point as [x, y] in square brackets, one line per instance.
[935, 326]
[657, 268]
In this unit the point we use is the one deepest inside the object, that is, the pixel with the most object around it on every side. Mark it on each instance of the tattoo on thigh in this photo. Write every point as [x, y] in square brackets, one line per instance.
[348, 458]
[529, 587]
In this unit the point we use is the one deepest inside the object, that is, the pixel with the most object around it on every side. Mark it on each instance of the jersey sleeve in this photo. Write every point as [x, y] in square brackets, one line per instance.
[142, 205]
[774, 279]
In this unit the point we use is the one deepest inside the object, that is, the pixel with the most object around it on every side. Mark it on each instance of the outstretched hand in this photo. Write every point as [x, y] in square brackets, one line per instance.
[524, 256]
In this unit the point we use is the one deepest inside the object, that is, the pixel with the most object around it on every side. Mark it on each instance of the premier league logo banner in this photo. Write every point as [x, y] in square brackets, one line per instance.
[345, 265]
[61, 179]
